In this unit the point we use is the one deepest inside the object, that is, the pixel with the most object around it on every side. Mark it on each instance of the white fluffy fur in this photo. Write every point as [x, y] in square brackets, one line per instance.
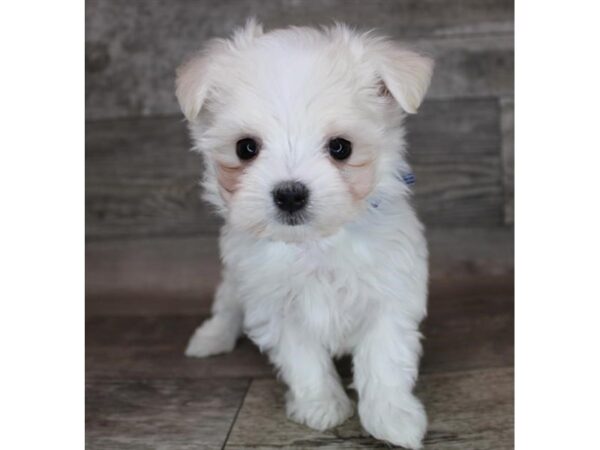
[354, 278]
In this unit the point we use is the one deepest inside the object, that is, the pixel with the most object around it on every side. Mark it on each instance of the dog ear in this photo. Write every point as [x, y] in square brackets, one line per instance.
[405, 74]
[192, 84]
[195, 77]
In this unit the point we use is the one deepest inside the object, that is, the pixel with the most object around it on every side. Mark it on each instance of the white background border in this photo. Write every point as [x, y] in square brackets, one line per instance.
[42, 225]
[557, 224]
[557, 217]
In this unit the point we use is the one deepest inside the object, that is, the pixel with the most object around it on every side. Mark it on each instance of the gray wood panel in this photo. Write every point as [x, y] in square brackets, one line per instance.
[132, 48]
[160, 414]
[454, 148]
[142, 180]
[467, 411]
[507, 106]
[471, 66]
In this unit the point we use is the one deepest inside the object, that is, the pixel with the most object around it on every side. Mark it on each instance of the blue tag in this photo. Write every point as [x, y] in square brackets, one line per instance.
[409, 178]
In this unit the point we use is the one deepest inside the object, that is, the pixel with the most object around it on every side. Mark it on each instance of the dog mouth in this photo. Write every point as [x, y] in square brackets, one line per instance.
[293, 219]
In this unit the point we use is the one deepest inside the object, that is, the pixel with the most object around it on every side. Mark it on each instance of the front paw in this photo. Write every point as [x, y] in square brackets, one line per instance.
[399, 420]
[210, 339]
[320, 413]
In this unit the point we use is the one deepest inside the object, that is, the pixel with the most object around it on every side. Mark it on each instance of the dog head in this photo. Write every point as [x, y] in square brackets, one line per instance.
[298, 127]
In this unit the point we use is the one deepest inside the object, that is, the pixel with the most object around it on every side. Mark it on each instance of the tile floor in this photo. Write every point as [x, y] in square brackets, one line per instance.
[142, 393]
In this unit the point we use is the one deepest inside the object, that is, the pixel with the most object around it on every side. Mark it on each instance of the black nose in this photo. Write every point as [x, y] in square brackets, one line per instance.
[290, 196]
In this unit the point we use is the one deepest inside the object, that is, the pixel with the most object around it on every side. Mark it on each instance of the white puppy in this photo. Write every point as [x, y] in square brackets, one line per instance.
[301, 132]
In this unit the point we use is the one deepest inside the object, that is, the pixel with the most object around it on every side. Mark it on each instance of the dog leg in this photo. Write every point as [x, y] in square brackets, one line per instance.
[385, 371]
[219, 333]
[315, 397]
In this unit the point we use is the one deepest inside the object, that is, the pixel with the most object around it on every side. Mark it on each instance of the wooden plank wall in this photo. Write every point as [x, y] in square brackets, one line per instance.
[132, 48]
[142, 182]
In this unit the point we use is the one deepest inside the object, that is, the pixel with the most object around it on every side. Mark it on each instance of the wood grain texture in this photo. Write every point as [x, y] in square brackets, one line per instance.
[507, 106]
[470, 252]
[152, 348]
[454, 148]
[152, 276]
[160, 414]
[470, 66]
[142, 180]
[470, 326]
[133, 48]
[467, 410]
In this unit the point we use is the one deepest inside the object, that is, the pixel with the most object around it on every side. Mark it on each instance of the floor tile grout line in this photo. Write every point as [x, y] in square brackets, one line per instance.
[237, 413]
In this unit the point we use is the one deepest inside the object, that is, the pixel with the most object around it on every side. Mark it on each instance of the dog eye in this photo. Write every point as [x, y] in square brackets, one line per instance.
[340, 148]
[246, 149]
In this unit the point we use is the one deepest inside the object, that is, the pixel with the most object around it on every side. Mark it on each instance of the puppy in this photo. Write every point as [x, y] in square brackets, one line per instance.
[323, 255]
